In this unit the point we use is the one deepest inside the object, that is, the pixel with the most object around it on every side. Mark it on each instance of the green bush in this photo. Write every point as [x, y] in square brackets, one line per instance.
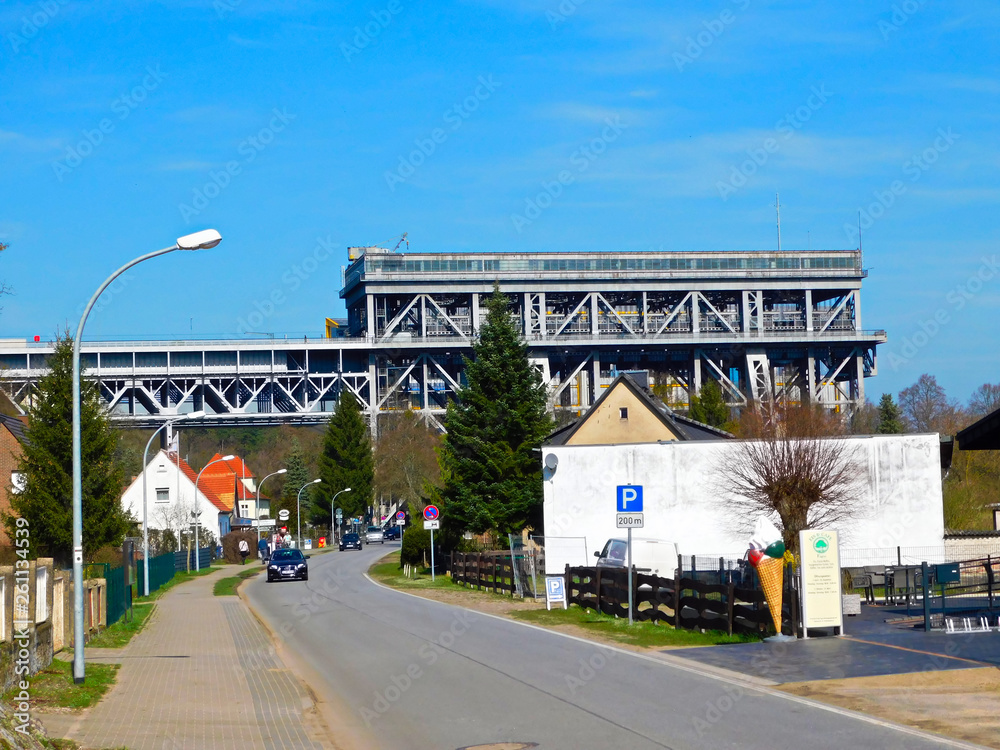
[416, 545]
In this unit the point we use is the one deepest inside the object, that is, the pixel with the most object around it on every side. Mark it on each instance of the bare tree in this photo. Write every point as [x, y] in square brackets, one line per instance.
[985, 400]
[795, 467]
[926, 408]
[406, 458]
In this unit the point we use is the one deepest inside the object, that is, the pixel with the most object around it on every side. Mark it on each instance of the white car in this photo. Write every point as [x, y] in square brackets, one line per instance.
[373, 535]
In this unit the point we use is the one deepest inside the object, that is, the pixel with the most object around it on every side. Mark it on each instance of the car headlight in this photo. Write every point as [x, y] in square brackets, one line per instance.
[272, 567]
[301, 565]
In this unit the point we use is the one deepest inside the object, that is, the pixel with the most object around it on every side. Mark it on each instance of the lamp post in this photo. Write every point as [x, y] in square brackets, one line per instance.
[197, 513]
[256, 510]
[145, 503]
[332, 503]
[298, 512]
[203, 240]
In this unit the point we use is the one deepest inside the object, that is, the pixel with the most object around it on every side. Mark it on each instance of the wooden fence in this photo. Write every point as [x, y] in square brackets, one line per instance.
[706, 606]
[488, 571]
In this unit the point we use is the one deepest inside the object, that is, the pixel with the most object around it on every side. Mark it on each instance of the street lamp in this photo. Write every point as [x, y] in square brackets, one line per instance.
[145, 525]
[203, 240]
[256, 509]
[197, 513]
[298, 512]
[332, 502]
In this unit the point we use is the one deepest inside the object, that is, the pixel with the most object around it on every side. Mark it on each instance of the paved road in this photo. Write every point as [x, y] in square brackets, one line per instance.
[412, 673]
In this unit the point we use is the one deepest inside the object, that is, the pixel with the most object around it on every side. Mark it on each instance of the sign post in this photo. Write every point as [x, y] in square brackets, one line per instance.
[822, 594]
[431, 521]
[629, 506]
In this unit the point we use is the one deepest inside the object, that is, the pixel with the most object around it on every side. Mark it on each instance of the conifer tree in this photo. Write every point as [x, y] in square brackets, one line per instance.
[890, 418]
[493, 474]
[295, 477]
[47, 466]
[709, 407]
[346, 461]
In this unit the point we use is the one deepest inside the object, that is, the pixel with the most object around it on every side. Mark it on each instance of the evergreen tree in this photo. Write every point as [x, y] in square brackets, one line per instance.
[295, 477]
[890, 418]
[346, 461]
[493, 475]
[47, 466]
[709, 407]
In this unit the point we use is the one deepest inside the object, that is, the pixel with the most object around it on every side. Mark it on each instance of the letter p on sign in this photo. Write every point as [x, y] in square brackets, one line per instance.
[629, 498]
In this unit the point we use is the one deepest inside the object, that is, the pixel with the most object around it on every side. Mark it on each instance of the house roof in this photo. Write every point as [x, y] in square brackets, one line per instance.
[203, 487]
[684, 427]
[15, 426]
[235, 465]
[983, 435]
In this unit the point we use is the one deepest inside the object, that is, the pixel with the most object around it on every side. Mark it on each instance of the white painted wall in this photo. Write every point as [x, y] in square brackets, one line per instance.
[175, 513]
[900, 503]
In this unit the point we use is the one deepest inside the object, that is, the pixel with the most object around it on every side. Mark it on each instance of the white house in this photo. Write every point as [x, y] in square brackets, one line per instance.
[171, 498]
[630, 437]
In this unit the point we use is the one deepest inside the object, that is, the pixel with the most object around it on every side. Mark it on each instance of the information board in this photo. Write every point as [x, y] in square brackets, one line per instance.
[822, 592]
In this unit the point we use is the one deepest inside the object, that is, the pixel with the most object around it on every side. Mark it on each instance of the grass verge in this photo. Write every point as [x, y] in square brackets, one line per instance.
[119, 634]
[641, 634]
[593, 624]
[53, 687]
[227, 586]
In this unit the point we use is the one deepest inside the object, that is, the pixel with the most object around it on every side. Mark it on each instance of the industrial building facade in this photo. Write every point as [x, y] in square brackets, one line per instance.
[761, 324]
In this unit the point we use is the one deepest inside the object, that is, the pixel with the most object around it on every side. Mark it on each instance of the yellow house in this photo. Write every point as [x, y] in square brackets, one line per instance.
[628, 413]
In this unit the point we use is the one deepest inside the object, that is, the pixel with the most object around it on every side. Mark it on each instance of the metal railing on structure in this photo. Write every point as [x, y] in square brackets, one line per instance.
[161, 570]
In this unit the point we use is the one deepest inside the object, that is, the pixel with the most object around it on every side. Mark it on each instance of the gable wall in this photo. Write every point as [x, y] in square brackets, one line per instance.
[603, 426]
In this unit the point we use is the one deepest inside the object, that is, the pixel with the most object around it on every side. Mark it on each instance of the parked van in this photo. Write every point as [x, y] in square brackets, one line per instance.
[655, 556]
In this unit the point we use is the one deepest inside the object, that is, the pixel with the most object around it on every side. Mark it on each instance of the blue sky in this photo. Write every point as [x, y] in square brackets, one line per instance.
[299, 127]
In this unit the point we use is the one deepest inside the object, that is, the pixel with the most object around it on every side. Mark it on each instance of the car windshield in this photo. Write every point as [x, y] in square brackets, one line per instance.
[615, 550]
[287, 555]
[352, 537]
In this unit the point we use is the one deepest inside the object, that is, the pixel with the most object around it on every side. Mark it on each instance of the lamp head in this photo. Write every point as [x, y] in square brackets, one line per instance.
[281, 471]
[346, 489]
[193, 415]
[230, 457]
[203, 240]
[316, 481]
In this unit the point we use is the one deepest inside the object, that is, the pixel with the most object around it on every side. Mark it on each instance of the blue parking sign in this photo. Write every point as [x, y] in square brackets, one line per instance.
[630, 498]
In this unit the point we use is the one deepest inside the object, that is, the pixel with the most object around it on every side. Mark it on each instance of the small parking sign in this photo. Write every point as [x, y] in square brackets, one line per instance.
[630, 498]
[555, 591]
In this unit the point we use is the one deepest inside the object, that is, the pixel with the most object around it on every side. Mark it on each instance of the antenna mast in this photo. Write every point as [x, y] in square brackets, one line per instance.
[777, 206]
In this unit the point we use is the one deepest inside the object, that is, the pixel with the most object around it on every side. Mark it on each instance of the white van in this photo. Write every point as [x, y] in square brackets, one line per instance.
[655, 556]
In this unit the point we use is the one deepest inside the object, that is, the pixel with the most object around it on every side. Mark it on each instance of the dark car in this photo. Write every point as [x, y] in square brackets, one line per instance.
[287, 564]
[392, 532]
[350, 540]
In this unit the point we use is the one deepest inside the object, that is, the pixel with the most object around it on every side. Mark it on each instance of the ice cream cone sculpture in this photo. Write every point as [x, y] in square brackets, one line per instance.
[772, 573]
[766, 554]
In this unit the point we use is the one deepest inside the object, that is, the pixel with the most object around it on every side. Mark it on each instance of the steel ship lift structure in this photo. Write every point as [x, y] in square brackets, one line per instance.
[764, 325]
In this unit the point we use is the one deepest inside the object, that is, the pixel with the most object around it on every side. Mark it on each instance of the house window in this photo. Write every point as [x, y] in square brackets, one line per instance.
[17, 482]
[623, 412]
[162, 495]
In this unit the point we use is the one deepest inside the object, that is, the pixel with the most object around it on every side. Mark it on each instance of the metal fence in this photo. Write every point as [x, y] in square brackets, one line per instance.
[181, 564]
[161, 570]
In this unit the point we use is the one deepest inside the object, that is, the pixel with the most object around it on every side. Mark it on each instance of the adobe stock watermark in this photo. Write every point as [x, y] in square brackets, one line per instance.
[786, 127]
[291, 280]
[580, 159]
[901, 13]
[562, 12]
[21, 703]
[713, 29]
[224, 8]
[33, 23]
[365, 35]
[589, 668]
[107, 297]
[427, 655]
[219, 179]
[915, 167]
[957, 298]
[454, 117]
[122, 106]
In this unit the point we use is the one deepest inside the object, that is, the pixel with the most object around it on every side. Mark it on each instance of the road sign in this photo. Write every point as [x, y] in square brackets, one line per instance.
[264, 522]
[431, 513]
[283, 514]
[401, 515]
[629, 520]
[630, 498]
[431, 525]
[340, 513]
[555, 591]
[401, 522]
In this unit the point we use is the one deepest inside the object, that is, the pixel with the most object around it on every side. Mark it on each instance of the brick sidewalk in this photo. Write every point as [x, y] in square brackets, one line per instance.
[202, 674]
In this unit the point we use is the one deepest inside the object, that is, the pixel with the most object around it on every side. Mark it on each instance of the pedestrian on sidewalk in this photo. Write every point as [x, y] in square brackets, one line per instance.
[264, 549]
[244, 551]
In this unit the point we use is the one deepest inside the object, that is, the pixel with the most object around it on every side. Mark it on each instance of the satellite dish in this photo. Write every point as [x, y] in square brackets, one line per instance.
[551, 461]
